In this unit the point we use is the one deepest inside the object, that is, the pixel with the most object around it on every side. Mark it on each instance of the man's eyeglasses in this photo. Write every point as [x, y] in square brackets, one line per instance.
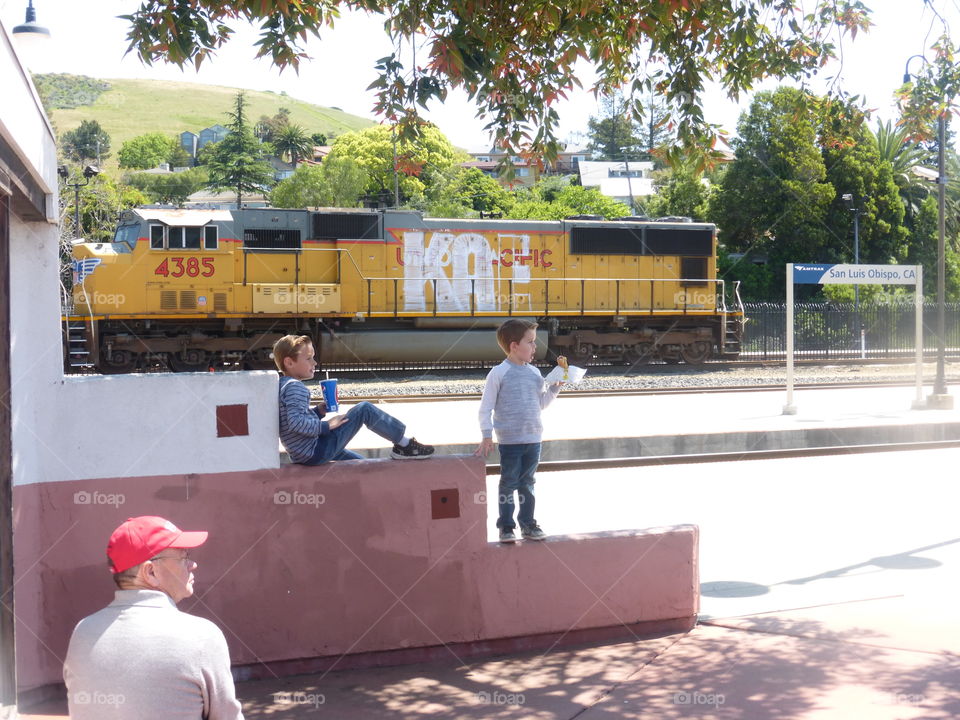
[185, 558]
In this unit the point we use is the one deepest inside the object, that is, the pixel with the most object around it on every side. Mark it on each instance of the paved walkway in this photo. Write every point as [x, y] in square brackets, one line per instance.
[828, 591]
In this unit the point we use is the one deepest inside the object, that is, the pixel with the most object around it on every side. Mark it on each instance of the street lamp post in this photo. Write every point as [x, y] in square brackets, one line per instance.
[939, 399]
[857, 212]
[88, 172]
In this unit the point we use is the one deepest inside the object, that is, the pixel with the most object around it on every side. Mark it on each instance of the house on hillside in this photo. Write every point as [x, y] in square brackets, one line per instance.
[526, 172]
[621, 181]
[189, 142]
[281, 169]
[212, 134]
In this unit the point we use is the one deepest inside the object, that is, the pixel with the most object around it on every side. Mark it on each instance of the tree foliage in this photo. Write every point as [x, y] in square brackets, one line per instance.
[87, 142]
[170, 188]
[532, 203]
[336, 182]
[681, 191]
[465, 192]
[418, 165]
[237, 163]
[518, 59]
[774, 196]
[101, 200]
[617, 134]
[293, 141]
[61, 91]
[146, 151]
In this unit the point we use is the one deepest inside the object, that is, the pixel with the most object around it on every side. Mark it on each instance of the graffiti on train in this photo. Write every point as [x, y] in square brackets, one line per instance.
[460, 262]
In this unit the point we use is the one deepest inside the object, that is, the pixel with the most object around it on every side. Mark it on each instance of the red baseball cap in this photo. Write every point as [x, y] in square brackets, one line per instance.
[140, 538]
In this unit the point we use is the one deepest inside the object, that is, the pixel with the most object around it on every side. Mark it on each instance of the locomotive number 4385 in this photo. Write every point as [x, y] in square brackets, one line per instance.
[189, 266]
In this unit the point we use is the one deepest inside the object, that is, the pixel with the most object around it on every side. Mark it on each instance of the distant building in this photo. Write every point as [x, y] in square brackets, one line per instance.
[188, 141]
[281, 169]
[618, 180]
[526, 172]
[212, 134]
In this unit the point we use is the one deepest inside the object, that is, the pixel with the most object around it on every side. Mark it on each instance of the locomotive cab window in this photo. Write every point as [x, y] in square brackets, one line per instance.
[156, 237]
[126, 238]
[210, 239]
[164, 237]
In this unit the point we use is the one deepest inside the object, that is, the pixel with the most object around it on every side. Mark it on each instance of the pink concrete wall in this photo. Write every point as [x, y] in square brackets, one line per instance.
[340, 559]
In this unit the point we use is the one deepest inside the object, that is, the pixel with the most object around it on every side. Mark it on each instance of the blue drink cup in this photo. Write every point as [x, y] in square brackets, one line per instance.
[329, 390]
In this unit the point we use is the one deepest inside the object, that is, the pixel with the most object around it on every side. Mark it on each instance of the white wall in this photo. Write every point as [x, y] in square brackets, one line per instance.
[92, 426]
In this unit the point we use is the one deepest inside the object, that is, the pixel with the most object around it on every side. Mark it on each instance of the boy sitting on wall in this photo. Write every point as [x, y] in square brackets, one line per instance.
[311, 440]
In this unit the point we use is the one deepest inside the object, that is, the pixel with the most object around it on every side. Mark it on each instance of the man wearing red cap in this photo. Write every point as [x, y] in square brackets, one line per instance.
[140, 657]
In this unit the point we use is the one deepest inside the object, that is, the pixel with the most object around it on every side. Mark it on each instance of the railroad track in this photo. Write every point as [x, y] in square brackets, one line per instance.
[351, 399]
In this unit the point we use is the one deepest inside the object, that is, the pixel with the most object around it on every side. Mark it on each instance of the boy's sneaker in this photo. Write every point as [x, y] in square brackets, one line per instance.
[532, 532]
[413, 451]
[507, 536]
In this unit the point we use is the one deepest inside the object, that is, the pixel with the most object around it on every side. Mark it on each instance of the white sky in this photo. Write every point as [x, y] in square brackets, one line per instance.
[88, 39]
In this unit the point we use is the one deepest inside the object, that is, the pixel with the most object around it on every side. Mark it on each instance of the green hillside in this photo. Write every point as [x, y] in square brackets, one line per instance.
[134, 107]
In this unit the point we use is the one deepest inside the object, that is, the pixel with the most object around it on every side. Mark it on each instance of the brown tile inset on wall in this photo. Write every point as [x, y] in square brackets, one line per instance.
[232, 420]
[445, 504]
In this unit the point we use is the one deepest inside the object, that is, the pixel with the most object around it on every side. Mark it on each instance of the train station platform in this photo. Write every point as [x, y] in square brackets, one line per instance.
[827, 588]
[668, 425]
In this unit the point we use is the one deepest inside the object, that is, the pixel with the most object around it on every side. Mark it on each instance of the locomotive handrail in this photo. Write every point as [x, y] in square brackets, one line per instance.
[683, 305]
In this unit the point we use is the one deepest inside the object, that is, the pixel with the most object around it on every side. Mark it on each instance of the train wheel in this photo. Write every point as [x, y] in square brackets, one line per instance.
[190, 360]
[639, 354]
[118, 361]
[695, 353]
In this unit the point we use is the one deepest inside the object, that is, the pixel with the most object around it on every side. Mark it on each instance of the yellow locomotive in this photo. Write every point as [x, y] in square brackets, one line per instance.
[201, 288]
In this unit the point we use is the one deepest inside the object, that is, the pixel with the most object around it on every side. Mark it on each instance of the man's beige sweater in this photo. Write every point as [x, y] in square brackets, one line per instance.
[142, 659]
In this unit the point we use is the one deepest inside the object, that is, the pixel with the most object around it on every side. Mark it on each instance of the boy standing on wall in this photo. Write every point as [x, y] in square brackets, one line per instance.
[513, 396]
[308, 438]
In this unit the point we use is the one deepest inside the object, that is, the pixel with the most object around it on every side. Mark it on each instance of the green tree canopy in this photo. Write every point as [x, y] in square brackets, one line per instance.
[146, 151]
[237, 162]
[336, 182]
[293, 141]
[532, 204]
[87, 142]
[464, 192]
[418, 165]
[518, 59]
[170, 188]
[775, 194]
[858, 170]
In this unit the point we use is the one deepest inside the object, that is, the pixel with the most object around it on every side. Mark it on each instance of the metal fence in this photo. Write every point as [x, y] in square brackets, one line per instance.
[824, 331]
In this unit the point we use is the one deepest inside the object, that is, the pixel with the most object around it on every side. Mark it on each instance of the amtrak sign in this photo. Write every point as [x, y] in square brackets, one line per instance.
[825, 274]
[817, 274]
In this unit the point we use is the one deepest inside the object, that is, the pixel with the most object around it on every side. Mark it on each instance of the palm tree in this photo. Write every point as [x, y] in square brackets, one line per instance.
[293, 141]
[903, 157]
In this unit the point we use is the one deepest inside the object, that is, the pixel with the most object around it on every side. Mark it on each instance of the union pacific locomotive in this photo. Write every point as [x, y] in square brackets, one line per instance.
[200, 288]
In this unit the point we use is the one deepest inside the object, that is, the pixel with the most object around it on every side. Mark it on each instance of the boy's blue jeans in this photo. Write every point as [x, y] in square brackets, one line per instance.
[332, 445]
[518, 463]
